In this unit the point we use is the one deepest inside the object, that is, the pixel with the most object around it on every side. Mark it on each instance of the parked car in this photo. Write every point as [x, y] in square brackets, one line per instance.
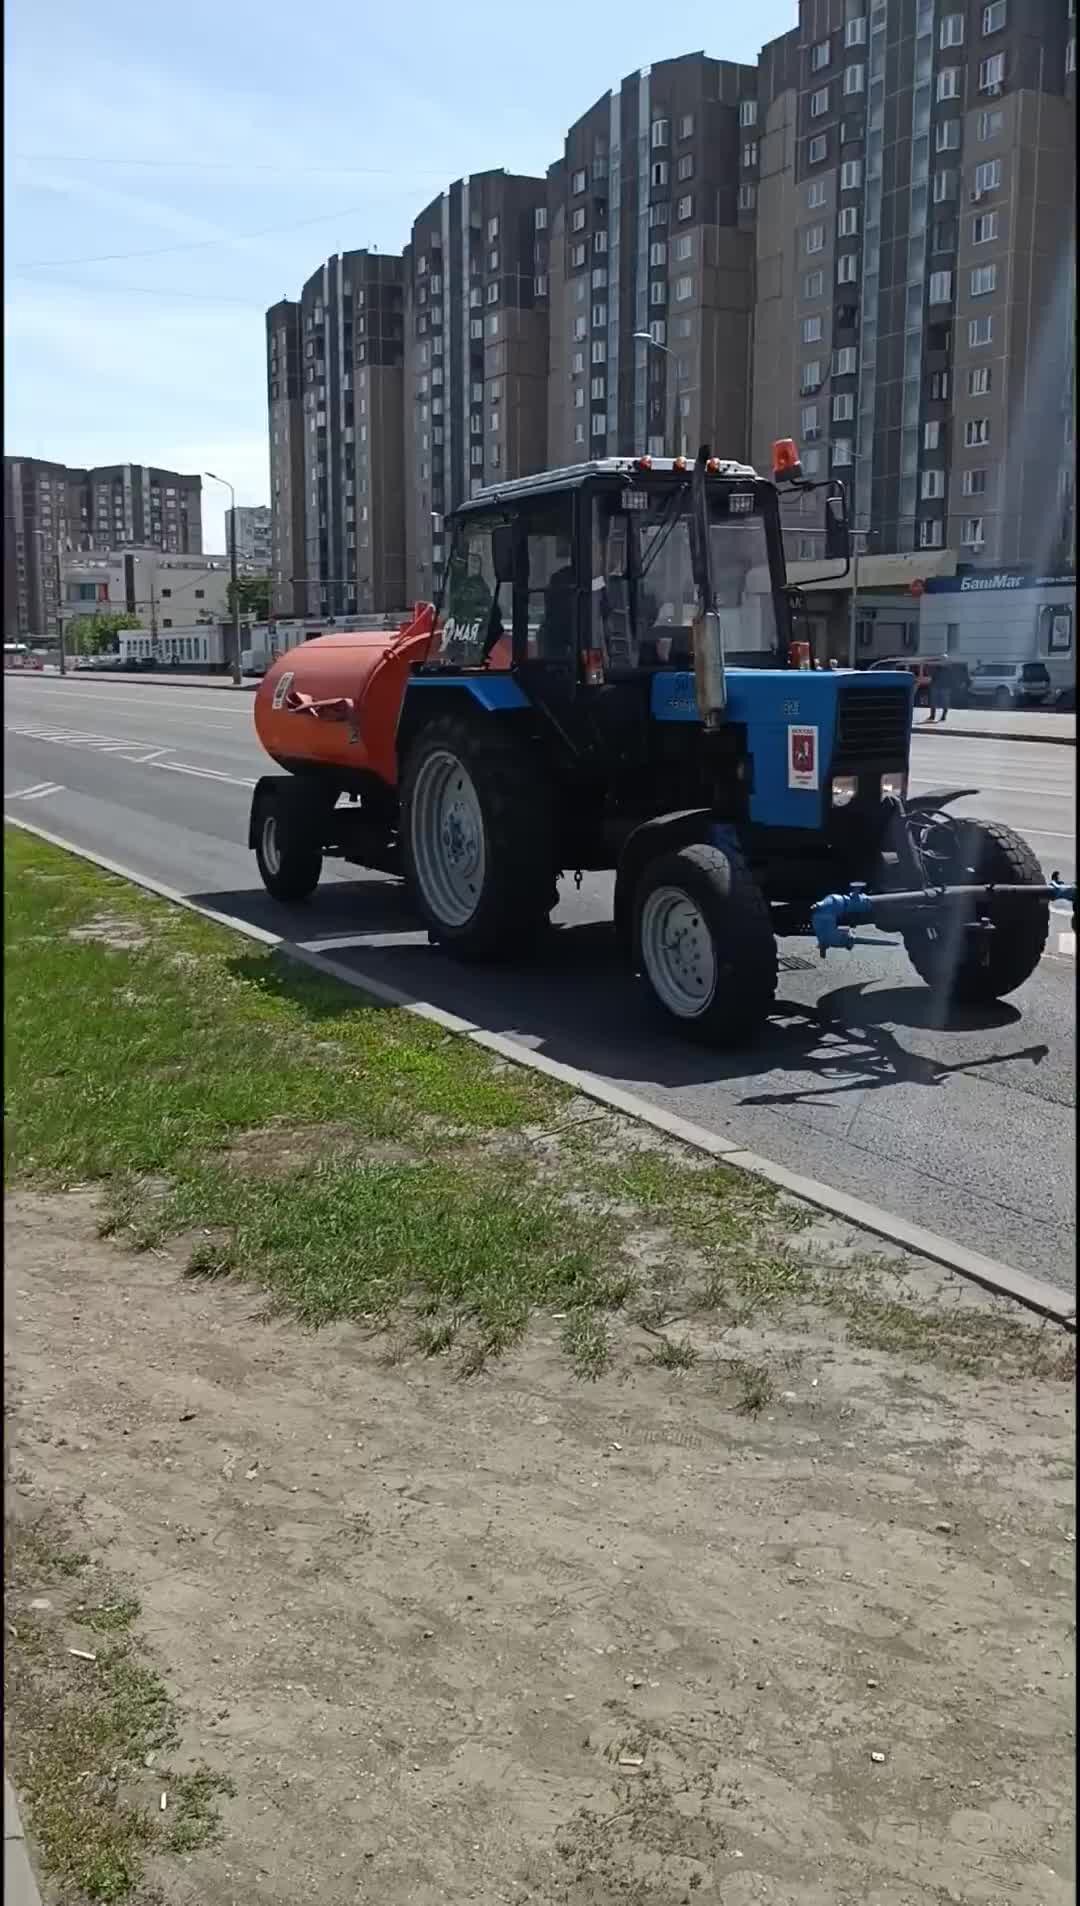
[921, 666]
[1010, 685]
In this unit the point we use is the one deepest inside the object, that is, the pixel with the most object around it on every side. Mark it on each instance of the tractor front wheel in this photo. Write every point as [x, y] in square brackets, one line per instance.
[704, 944]
[477, 838]
[973, 968]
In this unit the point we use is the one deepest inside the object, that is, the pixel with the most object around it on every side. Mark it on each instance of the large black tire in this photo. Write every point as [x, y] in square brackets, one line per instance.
[971, 969]
[486, 899]
[704, 944]
[288, 841]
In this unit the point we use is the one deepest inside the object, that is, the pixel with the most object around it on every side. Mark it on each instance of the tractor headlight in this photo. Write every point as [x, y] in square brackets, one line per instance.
[894, 785]
[844, 789]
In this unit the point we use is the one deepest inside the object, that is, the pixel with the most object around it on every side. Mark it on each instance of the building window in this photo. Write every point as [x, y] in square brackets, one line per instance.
[658, 252]
[493, 325]
[686, 126]
[820, 56]
[657, 291]
[660, 132]
[994, 17]
[685, 207]
[813, 285]
[577, 363]
[944, 186]
[819, 103]
[847, 268]
[978, 381]
[1070, 56]
[952, 30]
[947, 135]
[578, 182]
[855, 79]
[599, 278]
[599, 424]
[599, 314]
[811, 330]
[940, 287]
[980, 331]
[577, 220]
[577, 256]
[815, 195]
[989, 124]
[844, 361]
[983, 280]
[659, 173]
[976, 431]
[992, 73]
[987, 178]
[933, 485]
[931, 533]
[984, 227]
[842, 451]
[492, 230]
[599, 243]
[658, 331]
[855, 33]
[809, 424]
[973, 483]
[599, 351]
[811, 378]
[939, 386]
[540, 218]
[747, 198]
[579, 399]
[748, 112]
[660, 214]
[850, 175]
[580, 327]
[848, 222]
[749, 157]
[684, 168]
[811, 462]
[931, 436]
[684, 247]
[684, 289]
[816, 150]
[579, 433]
[971, 532]
[843, 408]
[814, 238]
[493, 294]
[540, 285]
[948, 83]
[598, 389]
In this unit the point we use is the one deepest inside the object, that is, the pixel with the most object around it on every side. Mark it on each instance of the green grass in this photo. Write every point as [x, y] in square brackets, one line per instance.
[80, 1731]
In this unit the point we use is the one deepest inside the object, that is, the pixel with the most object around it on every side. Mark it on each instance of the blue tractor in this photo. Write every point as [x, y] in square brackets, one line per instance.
[614, 681]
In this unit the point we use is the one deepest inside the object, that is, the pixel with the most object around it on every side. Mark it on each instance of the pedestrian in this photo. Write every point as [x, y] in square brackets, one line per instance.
[939, 692]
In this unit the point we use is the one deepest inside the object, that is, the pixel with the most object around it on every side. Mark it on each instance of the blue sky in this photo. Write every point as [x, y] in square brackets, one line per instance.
[169, 176]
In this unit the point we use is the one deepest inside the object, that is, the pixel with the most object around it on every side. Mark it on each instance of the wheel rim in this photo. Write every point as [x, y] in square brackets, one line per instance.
[447, 838]
[677, 952]
[271, 846]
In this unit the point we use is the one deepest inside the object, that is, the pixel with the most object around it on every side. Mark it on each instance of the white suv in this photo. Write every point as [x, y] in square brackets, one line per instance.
[1010, 685]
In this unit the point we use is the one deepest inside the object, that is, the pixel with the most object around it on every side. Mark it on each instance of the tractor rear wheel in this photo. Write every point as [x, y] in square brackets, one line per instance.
[968, 968]
[477, 838]
[288, 839]
[704, 944]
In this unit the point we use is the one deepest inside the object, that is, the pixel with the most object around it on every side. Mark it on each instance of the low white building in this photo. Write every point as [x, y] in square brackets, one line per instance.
[163, 591]
[202, 648]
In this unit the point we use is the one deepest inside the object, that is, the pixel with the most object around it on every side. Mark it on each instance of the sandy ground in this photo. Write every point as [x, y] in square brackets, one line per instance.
[528, 1639]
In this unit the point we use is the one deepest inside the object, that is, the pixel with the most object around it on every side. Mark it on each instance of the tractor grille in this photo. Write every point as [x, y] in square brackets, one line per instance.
[872, 725]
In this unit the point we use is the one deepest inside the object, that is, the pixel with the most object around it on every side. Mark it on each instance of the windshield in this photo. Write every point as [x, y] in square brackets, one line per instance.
[644, 595]
[996, 668]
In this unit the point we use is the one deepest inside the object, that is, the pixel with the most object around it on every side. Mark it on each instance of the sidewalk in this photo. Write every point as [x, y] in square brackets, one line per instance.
[987, 724]
[150, 678]
[20, 1886]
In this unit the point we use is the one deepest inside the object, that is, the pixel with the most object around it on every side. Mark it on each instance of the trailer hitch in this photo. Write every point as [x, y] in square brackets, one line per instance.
[833, 917]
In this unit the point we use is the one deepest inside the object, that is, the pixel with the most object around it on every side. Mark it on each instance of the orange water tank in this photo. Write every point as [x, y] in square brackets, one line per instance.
[333, 702]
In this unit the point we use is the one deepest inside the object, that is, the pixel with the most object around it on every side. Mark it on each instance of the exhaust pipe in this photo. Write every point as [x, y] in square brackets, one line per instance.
[710, 680]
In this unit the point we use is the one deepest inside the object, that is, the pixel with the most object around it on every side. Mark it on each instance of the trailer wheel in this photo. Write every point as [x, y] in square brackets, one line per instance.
[477, 838]
[971, 968]
[704, 944]
[288, 840]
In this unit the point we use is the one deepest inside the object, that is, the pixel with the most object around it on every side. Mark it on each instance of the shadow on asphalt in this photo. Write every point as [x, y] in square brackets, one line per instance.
[576, 1003]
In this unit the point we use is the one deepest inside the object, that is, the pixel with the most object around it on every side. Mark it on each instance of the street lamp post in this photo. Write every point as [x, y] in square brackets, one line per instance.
[646, 337]
[236, 675]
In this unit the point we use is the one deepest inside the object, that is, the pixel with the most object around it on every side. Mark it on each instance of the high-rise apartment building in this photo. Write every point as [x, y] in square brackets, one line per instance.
[254, 536]
[335, 398]
[50, 509]
[651, 255]
[915, 257]
[476, 352]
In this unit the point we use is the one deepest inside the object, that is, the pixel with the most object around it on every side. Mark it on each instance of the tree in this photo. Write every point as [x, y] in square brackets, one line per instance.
[96, 634]
[253, 595]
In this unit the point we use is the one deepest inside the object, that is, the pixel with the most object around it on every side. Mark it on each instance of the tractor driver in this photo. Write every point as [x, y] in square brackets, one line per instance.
[558, 631]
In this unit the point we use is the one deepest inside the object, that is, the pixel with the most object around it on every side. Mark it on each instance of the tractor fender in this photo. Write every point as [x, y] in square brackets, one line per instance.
[665, 834]
[932, 798]
[427, 696]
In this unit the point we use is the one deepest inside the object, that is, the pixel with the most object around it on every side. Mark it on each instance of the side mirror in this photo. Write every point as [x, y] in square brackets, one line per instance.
[837, 533]
[502, 552]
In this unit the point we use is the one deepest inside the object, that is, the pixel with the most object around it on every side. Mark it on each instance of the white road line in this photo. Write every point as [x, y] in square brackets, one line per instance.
[221, 713]
[204, 774]
[36, 794]
[22, 794]
[1067, 945]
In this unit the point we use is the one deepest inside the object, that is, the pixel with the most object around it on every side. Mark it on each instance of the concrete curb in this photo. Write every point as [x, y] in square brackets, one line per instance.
[1032, 1292]
[20, 1886]
[989, 734]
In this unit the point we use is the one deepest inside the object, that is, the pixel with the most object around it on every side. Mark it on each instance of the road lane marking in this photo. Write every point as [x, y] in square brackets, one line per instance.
[204, 774]
[37, 793]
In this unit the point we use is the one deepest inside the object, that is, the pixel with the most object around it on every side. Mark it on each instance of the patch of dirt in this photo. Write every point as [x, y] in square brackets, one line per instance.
[273, 1151]
[126, 936]
[524, 1639]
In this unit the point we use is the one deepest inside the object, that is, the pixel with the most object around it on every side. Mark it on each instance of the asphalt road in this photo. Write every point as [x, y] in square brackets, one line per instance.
[966, 1128]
